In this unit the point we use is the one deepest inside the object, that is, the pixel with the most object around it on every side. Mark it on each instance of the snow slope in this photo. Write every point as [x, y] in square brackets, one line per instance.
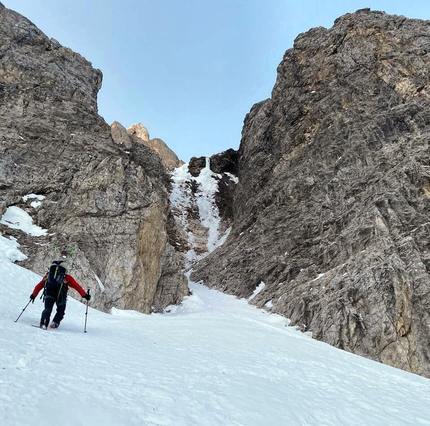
[214, 360]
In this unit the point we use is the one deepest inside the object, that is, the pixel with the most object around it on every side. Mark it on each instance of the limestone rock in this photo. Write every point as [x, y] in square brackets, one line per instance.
[225, 165]
[332, 205]
[196, 165]
[168, 157]
[201, 202]
[119, 134]
[225, 162]
[140, 134]
[109, 203]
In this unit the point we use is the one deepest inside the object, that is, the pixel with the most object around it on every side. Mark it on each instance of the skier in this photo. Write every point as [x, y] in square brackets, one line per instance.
[56, 284]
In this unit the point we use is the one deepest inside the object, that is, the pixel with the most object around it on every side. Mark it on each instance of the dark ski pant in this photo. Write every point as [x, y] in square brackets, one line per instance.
[46, 314]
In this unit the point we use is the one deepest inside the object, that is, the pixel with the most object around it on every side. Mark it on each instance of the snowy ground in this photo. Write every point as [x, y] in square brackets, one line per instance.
[213, 361]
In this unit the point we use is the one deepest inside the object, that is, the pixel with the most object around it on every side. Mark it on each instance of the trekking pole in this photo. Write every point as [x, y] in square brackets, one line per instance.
[23, 310]
[86, 314]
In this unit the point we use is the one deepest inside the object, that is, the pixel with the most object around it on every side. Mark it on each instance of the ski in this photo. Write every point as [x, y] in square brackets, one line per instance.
[37, 326]
[48, 328]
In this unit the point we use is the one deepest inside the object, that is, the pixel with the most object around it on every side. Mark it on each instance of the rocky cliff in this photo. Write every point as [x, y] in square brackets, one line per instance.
[331, 212]
[139, 134]
[201, 202]
[329, 217]
[109, 202]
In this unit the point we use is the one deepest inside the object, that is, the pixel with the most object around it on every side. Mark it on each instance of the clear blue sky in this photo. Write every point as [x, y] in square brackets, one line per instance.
[190, 70]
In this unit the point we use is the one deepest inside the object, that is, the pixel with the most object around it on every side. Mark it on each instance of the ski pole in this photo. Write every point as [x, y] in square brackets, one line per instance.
[23, 310]
[86, 314]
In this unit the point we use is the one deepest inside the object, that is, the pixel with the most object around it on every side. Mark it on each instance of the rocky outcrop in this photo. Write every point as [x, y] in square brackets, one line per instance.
[119, 134]
[139, 134]
[168, 157]
[332, 205]
[224, 166]
[107, 200]
[201, 203]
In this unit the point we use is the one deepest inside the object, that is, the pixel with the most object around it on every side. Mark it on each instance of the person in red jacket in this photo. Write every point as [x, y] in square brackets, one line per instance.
[56, 296]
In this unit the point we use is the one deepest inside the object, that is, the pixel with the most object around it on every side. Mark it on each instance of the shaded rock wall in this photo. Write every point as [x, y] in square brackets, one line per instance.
[108, 201]
[332, 205]
[224, 165]
[201, 203]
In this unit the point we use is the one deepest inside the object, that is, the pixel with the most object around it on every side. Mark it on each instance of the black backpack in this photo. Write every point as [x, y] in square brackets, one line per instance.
[54, 282]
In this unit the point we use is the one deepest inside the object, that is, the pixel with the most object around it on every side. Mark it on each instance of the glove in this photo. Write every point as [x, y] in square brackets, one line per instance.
[32, 297]
[87, 297]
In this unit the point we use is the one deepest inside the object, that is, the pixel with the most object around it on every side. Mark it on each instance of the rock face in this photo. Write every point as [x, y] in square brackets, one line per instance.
[139, 134]
[108, 201]
[224, 165]
[201, 202]
[332, 207]
[119, 134]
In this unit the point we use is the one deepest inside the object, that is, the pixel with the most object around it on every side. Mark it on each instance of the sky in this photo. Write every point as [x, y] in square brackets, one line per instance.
[214, 360]
[190, 70]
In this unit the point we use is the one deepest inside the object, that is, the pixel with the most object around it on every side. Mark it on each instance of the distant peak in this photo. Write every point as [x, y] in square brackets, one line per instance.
[139, 130]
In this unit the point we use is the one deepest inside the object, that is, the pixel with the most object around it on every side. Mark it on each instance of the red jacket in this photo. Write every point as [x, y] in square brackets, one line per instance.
[71, 282]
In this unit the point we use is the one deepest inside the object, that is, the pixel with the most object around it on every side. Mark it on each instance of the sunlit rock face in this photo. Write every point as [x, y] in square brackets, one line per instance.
[332, 207]
[107, 201]
[139, 134]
